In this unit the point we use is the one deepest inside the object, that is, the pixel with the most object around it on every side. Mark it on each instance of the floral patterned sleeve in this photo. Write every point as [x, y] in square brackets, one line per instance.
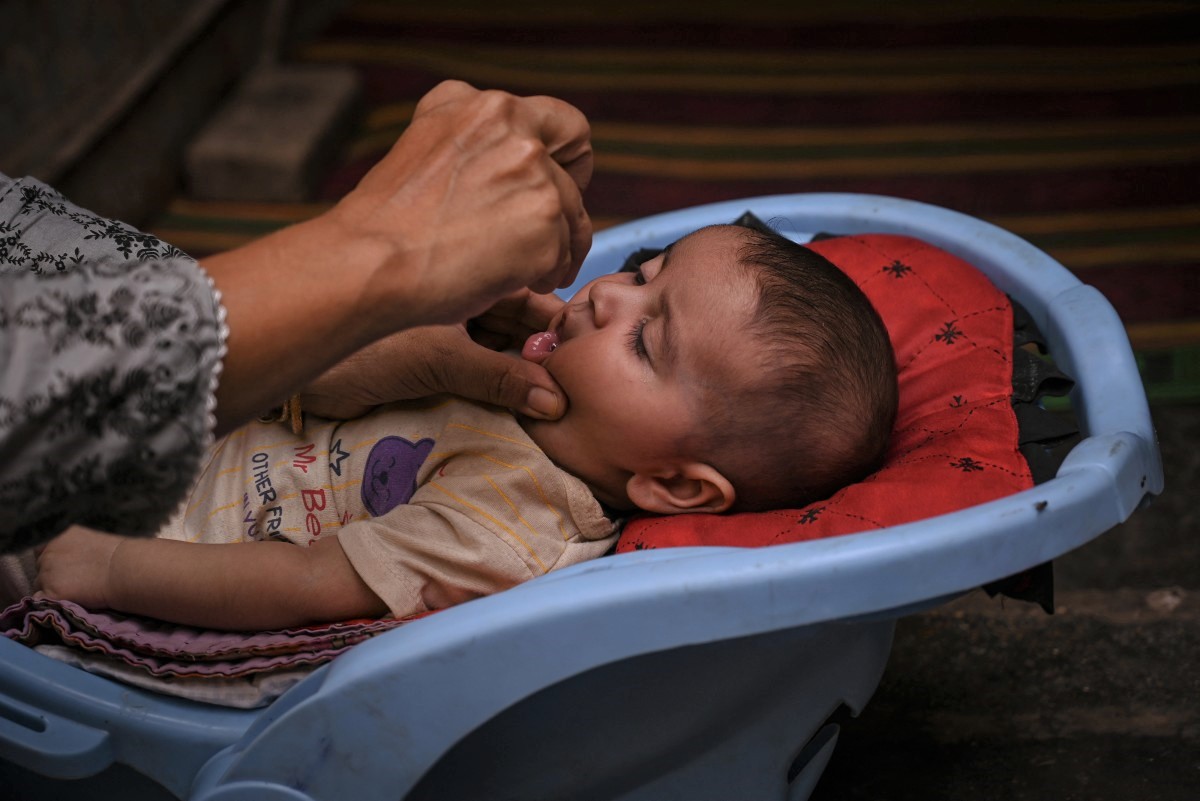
[111, 343]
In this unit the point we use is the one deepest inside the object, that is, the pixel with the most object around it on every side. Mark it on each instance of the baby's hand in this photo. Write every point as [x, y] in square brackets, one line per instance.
[74, 566]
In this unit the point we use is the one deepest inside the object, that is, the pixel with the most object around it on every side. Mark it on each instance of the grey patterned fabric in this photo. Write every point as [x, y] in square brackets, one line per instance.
[110, 346]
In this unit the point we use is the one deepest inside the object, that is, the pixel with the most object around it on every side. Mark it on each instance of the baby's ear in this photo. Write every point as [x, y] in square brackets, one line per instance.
[693, 487]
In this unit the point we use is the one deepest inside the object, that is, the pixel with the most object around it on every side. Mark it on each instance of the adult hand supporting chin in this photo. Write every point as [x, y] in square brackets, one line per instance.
[480, 197]
[433, 360]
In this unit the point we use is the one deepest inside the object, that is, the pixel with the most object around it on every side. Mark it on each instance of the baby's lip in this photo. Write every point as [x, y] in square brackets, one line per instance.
[539, 346]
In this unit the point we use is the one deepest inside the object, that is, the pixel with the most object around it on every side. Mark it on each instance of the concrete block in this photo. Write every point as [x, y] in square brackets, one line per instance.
[275, 136]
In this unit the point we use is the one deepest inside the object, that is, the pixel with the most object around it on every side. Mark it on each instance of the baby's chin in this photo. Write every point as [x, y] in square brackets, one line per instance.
[547, 436]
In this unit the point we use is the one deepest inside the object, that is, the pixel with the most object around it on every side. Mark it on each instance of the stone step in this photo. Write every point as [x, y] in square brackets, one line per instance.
[275, 137]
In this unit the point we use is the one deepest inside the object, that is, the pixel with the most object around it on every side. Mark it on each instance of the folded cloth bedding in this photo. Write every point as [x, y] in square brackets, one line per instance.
[230, 668]
[247, 692]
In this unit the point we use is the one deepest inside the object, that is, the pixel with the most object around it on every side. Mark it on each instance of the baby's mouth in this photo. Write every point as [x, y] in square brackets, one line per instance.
[539, 346]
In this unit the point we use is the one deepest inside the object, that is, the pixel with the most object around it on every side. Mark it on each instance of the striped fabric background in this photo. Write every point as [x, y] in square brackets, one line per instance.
[1073, 124]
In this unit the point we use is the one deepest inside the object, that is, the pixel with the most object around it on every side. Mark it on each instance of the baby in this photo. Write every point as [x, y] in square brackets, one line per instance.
[734, 371]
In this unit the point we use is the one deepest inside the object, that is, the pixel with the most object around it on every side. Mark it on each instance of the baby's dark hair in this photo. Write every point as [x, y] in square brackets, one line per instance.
[818, 413]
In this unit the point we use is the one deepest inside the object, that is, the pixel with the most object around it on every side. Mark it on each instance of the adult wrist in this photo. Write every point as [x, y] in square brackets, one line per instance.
[388, 298]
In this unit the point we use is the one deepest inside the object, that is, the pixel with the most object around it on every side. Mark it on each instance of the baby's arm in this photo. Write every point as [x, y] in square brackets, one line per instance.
[241, 586]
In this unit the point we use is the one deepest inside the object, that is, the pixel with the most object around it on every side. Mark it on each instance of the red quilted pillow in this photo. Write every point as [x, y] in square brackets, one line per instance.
[955, 443]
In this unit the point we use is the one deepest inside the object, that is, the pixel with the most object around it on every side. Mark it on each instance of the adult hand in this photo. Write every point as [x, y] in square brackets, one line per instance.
[447, 359]
[479, 197]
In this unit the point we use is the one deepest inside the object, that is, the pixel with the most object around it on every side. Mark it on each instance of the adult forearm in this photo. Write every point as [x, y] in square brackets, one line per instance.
[297, 302]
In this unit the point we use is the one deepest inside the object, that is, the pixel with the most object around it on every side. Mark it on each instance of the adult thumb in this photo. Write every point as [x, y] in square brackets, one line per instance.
[514, 383]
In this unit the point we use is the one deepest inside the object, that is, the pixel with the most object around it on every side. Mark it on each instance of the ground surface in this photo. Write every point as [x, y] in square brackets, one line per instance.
[986, 700]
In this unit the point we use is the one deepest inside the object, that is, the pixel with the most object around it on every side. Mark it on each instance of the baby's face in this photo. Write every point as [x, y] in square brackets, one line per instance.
[633, 350]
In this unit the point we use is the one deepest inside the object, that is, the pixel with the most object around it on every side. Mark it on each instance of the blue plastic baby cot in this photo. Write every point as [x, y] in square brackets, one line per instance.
[687, 673]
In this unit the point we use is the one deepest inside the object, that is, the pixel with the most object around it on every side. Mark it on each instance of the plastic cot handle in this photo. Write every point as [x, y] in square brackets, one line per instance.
[49, 744]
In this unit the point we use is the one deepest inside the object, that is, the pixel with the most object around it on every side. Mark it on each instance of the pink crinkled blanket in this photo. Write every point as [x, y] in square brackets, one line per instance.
[231, 668]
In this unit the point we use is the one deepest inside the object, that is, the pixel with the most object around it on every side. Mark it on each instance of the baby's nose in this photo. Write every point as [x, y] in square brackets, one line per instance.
[607, 297]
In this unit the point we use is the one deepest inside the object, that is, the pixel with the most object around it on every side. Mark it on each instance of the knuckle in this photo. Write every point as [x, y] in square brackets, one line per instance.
[527, 156]
[442, 351]
[509, 386]
[583, 226]
[546, 205]
[443, 92]
[547, 252]
[439, 377]
[496, 104]
[429, 371]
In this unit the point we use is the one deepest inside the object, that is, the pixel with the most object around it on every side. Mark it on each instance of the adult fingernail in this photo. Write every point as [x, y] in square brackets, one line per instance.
[542, 403]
